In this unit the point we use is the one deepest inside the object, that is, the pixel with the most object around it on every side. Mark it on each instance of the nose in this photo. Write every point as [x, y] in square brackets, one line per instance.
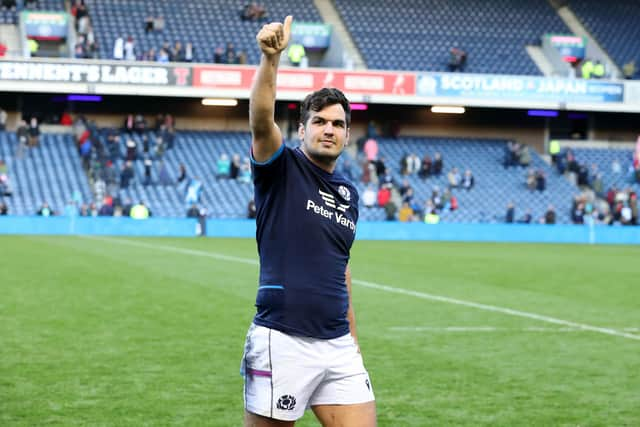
[328, 128]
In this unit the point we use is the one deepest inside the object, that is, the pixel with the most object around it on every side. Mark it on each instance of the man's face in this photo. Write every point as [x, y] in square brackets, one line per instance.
[325, 134]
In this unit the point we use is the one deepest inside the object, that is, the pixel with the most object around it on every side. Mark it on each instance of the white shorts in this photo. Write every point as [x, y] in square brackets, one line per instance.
[286, 374]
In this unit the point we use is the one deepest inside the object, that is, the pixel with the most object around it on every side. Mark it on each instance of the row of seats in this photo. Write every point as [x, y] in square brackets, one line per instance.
[614, 25]
[52, 172]
[494, 34]
[206, 24]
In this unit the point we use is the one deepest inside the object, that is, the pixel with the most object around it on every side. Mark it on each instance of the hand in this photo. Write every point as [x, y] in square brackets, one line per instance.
[273, 38]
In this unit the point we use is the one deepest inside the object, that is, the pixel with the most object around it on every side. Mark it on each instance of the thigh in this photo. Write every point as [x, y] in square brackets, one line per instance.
[253, 420]
[356, 415]
[279, 375]
[346, 381]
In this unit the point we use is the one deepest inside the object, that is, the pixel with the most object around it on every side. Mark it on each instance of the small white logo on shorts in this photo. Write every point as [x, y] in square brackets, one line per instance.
[287, 402]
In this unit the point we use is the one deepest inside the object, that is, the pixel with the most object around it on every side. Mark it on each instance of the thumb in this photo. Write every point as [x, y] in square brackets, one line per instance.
[287, 29]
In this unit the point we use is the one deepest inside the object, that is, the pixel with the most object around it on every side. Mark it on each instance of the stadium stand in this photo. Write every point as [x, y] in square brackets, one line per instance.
[206, 24]
[417, 35]
[604, 159]
[494, 186]
[10, 16]
[619, 40]
[38, 179]
[50, 172]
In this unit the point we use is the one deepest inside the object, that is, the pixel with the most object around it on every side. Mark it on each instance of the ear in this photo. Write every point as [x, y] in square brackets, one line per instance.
[347, 137]
[301, 131]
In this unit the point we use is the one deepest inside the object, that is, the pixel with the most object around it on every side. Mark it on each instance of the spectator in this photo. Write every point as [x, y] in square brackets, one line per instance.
[453, 177]
[369, 196]
[468, 181]
[251, 209]
[148, 164]
[387, 180]
[526, 218]
[118, 49]
[34, 132]
[296, 54]
[126, 174]
[511, 213]
[193, 211]
[245, 172]
[107, 207]
[131, 152]
[524, 156]
[130, 49]
[235, 166]
[22, 135]
[384, 196]
[436, 198]
[218, 55]
[4, 209]
[194, 191]
[629, 70]
[425, 167]
[457, 59]
[413, 164]
[371, 149]
[140, 211]
[182, 174]
[541, 181]
[550, 215]
[3, 120]
[406, 213]
[177, 53]
[223, 167]
[45, 210]
[438, 164]
[188, 52]
[148, 24]
[230, 56]
[390, 210]
[380, 168]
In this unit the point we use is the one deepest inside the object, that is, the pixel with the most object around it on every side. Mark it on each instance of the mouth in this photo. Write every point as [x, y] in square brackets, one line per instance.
[327, 142]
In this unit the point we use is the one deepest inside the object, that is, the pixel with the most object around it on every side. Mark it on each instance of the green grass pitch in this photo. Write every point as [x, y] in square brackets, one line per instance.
[149, 332]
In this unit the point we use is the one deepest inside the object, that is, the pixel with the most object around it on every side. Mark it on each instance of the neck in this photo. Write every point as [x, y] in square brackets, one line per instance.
[326, 164]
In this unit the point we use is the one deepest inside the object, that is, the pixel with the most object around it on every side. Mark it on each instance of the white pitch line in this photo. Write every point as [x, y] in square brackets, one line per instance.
[390, 289]
[479, 329]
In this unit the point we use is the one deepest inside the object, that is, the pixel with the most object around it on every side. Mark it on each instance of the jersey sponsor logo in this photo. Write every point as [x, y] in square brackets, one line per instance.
[286, 402]
[333, 215]
[330, 201]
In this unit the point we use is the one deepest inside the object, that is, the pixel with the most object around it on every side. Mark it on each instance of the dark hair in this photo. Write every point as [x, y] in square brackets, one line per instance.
[322, 98]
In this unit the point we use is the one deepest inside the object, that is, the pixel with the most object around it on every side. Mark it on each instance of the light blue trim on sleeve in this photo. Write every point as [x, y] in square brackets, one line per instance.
[271, 287]
[266, 162]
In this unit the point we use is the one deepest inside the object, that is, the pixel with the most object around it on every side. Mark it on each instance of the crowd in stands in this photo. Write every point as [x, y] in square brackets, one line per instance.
[596, 204]
[233, 168]
[100, 154]
[398, 198]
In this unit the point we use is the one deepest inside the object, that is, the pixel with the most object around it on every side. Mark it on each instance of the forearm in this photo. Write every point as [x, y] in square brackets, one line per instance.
[351, 314]
[263, 95]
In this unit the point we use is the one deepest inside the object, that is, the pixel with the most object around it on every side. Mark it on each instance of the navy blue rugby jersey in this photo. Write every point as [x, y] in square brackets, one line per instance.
[306, 223]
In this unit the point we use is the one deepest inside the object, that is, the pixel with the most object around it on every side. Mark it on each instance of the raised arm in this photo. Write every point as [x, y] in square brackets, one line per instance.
[267, 138]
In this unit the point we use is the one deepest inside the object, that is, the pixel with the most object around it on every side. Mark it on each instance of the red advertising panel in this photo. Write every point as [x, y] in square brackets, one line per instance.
[365, 83]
